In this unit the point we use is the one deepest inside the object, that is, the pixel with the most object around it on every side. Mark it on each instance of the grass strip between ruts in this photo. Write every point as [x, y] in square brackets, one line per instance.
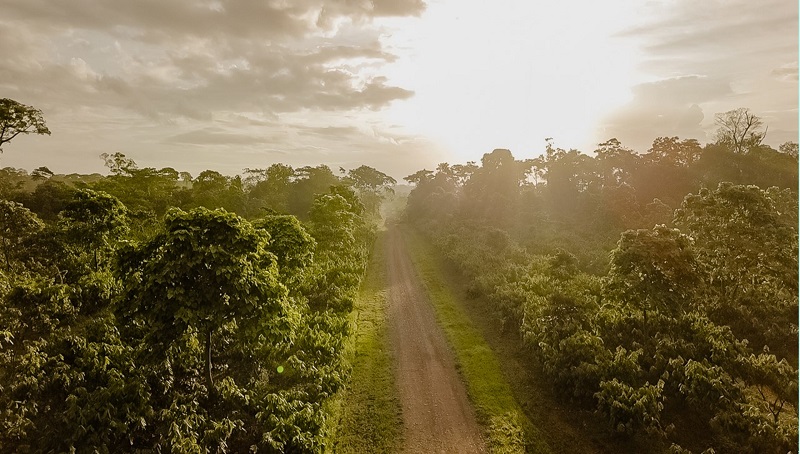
[505, 426]
[369, 412]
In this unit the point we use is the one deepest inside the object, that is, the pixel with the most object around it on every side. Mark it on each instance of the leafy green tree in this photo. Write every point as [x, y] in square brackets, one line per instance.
[372, 185]
[272, 189]
[41, 173]
[342, 237]
[616, 162]
[209, 188]
[654, 270]
[11, 181]
[334, 217]
[435, 195]
[630, 409]
[775, 382]
[370, 179]
[665, 172]
[48, 199]
[493, 190]
[419, 177]
[68, 381]
[292, 245]
[307, 184]
[209, 272]
[17, 224]
[746, 241]
[765, 167]
[119, 164]
[674, 151]
[463, 172]
[571, 176]
[146, 192]
[92, 223]
[17, 118]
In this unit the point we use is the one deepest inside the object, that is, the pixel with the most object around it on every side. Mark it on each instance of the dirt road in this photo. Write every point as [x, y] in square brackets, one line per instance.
[437, 415]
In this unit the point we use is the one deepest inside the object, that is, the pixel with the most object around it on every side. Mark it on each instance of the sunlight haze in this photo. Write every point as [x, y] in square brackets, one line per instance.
[395, 85]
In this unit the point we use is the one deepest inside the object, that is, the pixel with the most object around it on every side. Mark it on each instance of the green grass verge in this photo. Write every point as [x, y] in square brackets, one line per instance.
[505, 426]
[368, 408]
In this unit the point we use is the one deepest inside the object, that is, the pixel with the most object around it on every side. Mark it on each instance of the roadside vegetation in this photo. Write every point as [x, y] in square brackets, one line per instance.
[658, 290]
[150, 310]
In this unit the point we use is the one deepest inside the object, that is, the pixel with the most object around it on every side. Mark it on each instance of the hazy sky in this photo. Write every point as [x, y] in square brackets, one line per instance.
[395, 84]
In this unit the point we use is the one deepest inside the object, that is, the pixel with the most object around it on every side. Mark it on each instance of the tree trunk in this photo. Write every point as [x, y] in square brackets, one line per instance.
[5, 255]
[209, 378]
[645, 328]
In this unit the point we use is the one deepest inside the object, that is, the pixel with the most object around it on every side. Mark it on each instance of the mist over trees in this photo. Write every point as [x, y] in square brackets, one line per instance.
[657, 288]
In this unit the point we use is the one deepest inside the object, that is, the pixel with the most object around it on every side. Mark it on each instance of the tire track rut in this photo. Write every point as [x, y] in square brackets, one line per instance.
[437, 415]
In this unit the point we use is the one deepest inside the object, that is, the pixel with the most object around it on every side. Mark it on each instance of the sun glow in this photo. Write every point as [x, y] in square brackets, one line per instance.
[509, 74]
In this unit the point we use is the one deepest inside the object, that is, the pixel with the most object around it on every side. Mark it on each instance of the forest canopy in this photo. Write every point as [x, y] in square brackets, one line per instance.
[149, 309]
[152, 310]
[658, 288]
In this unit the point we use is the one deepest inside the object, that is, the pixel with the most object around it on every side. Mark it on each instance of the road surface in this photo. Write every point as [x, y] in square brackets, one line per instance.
[437, 416]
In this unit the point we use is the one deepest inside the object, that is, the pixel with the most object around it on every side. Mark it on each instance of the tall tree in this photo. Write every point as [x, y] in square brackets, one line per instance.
[119, 164]
[372, 184]
[308, 182]
[672, 150]
[368, 178]
[790, 148]
[615, 162]
[419, 177]
[271, 189]
[17, 118]
[493, 189]
[739, 129]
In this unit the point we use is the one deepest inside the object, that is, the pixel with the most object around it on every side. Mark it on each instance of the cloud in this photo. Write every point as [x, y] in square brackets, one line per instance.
[340, 133]
[194, 59]
[709, 57]
[156, 21]
[737, 38]
[689, 28]
[180, 81]
[786, 72]
[669, 107]
[217, 136]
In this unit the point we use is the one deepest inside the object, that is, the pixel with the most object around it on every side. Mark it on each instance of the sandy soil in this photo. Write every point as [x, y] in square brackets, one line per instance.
[437, 415]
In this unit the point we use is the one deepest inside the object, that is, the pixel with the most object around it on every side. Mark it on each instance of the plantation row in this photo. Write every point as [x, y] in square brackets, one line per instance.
[140, 326]
[687, 337]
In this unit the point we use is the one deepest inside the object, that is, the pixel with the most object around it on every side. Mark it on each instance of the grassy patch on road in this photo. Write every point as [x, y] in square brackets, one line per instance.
[505, 425]
[369, 407]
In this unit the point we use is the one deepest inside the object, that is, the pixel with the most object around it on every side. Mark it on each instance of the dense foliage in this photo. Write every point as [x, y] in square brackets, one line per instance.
[687, 336]
[152, 311]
